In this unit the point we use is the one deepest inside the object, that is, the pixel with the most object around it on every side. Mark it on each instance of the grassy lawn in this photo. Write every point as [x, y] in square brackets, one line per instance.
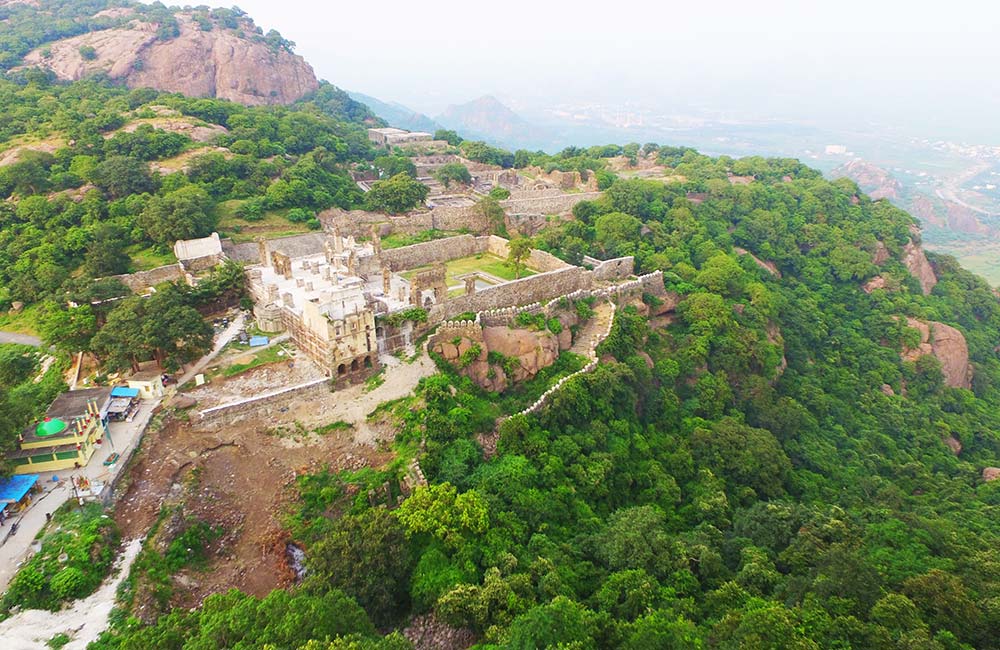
[485, 263]
[274, 224]
[24, 323]
[265, 356]
[400, 240]
[144, 259]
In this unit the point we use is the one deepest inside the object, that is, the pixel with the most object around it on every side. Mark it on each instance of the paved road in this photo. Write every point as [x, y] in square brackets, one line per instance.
[123, 440]
[23, 339]
[224, 337]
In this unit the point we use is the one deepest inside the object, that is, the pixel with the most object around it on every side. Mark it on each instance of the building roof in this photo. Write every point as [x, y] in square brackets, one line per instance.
[298, 245]
[50, 427]
[72, 404]
[119, 404]
[124, 391]
[13, 489]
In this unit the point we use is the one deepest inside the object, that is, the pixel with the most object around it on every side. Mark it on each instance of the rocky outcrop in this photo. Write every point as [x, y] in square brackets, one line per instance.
[875, 181]
[991, 473]
[919, 267]
[218, 63]
[948, 345]
[497, 356]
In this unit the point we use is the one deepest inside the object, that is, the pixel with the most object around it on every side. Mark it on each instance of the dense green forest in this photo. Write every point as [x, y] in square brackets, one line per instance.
[695, 490]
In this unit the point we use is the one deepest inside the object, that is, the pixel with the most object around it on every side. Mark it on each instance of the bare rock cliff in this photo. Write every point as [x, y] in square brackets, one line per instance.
[916, 262]
[217, 63]
[948, 345]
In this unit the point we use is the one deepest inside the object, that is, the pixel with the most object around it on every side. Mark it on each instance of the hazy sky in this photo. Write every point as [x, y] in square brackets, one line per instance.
[918, 62]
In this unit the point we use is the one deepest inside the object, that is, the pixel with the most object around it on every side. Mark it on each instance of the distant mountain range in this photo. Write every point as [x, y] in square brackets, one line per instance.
[396, 114]
[485, 118]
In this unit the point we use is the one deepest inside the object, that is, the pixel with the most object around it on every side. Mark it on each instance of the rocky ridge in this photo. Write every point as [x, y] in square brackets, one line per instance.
[219, 63]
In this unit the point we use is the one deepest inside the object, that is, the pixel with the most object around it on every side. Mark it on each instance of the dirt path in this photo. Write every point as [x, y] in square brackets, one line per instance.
[595, 327]
[83, 622]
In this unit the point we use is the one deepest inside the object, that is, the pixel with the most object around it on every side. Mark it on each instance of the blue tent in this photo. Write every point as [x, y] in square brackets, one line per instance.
[13, 489]
[124, 391]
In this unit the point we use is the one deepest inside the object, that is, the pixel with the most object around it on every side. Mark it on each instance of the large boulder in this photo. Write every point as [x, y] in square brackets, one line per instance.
[948, 345]
[919, 267]
[216, 63]
[533, 350]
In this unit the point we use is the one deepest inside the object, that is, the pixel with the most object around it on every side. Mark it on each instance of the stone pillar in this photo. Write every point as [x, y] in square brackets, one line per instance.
[386, 281]
[288, 300]
[338, 243]
[352, 263]
[376, 240]
[470, 285]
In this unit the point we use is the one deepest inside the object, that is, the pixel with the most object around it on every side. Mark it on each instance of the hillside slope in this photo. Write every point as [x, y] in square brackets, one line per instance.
[194, 52]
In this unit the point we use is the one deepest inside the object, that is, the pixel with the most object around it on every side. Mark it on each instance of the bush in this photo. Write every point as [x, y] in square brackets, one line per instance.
[69, 583]
[88, 53]
[85, 540]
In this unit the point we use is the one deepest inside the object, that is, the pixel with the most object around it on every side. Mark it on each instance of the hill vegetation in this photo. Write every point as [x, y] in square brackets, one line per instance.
[761, 469]
[765, 466]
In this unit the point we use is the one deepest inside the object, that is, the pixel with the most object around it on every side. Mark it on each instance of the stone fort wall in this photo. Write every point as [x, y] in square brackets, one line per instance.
[544, 204]
[537, 288]
[439, 250]
[538, 260]
[142, 280]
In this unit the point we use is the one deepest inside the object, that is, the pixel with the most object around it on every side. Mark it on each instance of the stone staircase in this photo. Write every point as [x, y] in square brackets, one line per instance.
[593, 334]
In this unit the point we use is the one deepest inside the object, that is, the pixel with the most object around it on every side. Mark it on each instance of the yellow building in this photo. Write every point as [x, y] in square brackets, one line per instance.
[66, 436]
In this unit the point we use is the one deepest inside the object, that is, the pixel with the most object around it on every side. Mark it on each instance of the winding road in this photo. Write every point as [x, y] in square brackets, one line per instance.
[23, 339]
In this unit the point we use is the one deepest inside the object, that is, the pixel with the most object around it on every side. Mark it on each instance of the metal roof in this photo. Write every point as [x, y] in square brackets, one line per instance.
[13, 489]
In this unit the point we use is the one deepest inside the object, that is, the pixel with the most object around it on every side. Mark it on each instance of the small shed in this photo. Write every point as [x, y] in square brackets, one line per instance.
[15, 493]
[123, 405]
[149, 383]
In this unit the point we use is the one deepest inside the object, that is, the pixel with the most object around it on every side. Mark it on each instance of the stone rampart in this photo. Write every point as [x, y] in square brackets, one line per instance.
[141, 280]
[561, 204]
[537, 288]
[614, 269]
[521, 194]
[439, 250]
[246, 252]
[232, 410]
[538, 260]
[358, 223]
[506, 315]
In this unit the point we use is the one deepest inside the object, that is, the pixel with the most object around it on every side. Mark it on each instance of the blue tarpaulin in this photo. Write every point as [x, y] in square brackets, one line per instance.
[13, 489]
[124, 391]
[256, 341]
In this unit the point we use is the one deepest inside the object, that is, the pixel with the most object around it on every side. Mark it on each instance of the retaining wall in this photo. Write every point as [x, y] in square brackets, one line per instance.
[537, 288]
[560, 204]
[231, 410]
[538, 260]
[439, 250]
[145, 279]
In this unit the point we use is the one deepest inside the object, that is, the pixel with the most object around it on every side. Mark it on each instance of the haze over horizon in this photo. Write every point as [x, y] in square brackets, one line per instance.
[912, 65]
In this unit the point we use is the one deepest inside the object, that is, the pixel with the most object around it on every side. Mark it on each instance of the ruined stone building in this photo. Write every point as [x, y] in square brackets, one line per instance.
[326, 291]
[389, 137]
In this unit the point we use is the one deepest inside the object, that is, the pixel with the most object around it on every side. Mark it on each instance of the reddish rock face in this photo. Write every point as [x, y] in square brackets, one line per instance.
[991, 473]
[948, 345]
[216, 63]
[918, 266]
